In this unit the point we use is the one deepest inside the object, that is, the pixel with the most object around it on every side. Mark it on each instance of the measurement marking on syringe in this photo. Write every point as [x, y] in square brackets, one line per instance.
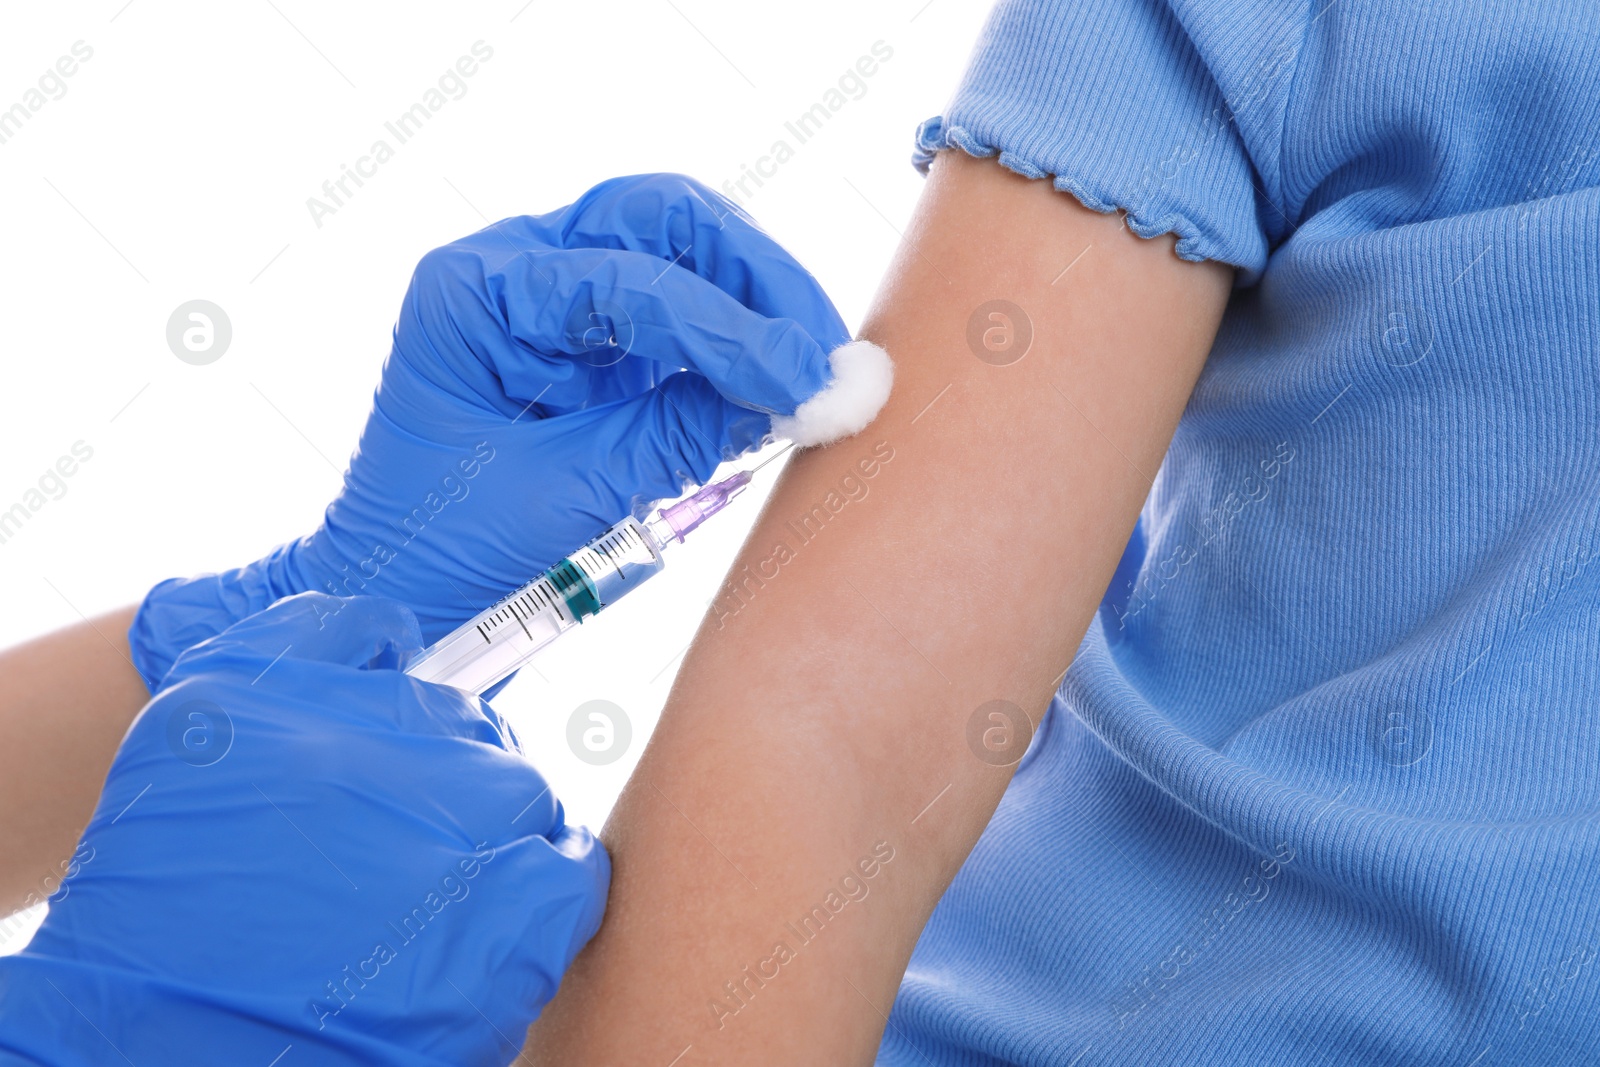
[615, 565]
[523, 625]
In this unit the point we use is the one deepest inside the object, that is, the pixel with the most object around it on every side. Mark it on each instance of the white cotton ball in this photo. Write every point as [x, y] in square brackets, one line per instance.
[862, 377]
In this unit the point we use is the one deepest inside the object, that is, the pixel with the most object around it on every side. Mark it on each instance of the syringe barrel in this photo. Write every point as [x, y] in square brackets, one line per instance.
[501, 639]
[618, 560]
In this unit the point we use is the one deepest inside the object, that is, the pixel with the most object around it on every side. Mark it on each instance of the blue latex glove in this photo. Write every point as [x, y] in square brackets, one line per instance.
[533, 397]
[294, 851]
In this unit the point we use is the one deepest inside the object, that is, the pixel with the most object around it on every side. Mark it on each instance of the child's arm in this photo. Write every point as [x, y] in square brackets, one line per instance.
[825, 722]
[66, 699]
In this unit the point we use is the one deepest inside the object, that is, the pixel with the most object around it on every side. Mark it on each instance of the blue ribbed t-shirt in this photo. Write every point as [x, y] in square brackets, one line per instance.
[1322, 785]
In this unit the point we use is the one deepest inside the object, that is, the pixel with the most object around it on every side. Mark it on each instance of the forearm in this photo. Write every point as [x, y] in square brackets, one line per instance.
[66, 700]
[830, 712]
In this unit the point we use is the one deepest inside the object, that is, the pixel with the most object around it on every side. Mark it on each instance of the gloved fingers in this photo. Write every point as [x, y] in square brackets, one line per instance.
[350, 631]
[444, 760]
[647, 448]
[547, 310]
[678, 433]
[587, 310]
[679, 220]
[428, 709]
[511, 916]
[572, 871]
[289, 664]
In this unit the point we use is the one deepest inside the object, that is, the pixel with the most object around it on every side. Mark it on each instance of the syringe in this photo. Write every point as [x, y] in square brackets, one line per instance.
[504, 637]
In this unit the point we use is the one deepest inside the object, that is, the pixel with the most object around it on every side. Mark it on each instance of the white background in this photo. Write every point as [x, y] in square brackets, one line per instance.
[177, 166]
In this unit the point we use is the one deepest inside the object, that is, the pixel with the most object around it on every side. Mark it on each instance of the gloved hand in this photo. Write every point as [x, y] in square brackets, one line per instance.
[531, 399]
[294, 851]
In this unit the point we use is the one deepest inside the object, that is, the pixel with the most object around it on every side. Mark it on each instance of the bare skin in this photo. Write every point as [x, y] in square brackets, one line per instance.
[821, 721]
[66, 699]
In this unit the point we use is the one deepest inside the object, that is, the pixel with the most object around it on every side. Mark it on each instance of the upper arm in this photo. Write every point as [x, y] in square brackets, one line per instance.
[824, 708]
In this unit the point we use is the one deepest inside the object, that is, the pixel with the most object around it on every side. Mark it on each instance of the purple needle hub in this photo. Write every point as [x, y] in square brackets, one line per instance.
[687, 514]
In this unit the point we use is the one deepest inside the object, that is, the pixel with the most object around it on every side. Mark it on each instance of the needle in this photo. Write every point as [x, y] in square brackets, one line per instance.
[772, 457]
